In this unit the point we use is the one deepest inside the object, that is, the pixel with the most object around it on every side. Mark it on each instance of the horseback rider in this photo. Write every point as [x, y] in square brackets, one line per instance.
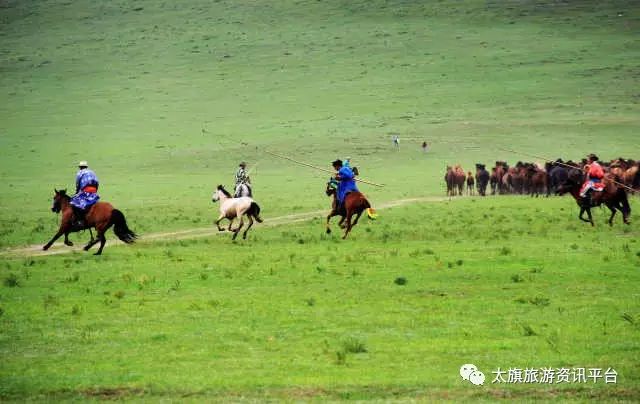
[242, 178]
[86, 193]
[346, 182]
[595, 174]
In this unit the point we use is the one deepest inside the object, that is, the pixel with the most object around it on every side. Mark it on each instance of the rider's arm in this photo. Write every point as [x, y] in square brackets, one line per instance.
[78, 178]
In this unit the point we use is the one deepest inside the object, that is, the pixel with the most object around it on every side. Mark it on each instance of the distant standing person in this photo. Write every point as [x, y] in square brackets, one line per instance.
[471, 182]
[396, 141]
[424, 147]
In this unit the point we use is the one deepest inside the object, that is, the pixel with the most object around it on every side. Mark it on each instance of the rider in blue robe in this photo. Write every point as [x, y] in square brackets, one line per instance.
[347, 182]
[86, 192]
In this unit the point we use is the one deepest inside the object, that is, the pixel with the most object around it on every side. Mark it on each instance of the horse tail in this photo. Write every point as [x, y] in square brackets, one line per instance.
[254, 210]
[371, 212]
[120, 227]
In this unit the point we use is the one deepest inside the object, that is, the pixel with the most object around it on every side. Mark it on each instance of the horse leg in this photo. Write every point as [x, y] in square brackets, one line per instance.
[53, 240]
[244, 235]
[612, 208]
[355, 222]
[103, 240]
[581, 214]
[348, 225]
[66, 239]
[92, 242]
[231, 223]
[590, 217]
[217, 222]
[236, 231]
[329, 216]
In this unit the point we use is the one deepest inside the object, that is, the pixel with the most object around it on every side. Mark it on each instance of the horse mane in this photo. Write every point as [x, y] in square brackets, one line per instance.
[224, 191]
[63, 194]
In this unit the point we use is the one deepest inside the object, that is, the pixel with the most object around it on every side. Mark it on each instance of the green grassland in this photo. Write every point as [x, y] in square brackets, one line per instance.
[164, 99]
[294, 313]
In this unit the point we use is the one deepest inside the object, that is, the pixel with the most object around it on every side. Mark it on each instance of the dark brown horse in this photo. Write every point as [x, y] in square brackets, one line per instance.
[613, 196]
[455, 178]
[354, 204]
[100, 216]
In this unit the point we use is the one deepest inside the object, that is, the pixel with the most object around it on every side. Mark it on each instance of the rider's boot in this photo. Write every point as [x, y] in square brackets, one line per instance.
[78, 217]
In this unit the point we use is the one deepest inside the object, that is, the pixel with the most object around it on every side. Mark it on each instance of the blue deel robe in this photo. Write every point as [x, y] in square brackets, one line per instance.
[81, 199]
[347, 183]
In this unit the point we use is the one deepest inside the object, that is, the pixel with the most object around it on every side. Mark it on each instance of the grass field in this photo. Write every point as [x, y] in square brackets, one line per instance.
[164, 99]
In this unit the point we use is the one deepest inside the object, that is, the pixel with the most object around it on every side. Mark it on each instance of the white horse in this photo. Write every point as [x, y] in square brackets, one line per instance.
[230, 208]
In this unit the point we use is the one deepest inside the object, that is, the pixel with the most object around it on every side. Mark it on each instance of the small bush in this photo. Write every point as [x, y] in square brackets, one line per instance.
[505, 251]
[528, 331]
[539, 301]
[50, 300]
[400, 280]
[11, 281]
[354, 345]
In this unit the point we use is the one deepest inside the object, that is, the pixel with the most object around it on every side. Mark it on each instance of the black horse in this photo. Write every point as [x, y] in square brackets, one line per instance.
[613, 196]
[482, 178]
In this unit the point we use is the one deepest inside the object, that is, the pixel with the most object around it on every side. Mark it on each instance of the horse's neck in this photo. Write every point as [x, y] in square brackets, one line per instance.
[575, 192]
[65, 203]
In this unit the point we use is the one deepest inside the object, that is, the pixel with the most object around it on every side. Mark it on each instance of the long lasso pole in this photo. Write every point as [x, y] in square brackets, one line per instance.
[318, 168]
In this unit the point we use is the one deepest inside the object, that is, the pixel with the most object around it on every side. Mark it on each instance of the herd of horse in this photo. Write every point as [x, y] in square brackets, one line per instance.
[557, 177]
[533, 179]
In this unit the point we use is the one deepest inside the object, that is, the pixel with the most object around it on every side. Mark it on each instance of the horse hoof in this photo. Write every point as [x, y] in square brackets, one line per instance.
[68, 243]
[45, 248]
[328, 231]
[98, 253]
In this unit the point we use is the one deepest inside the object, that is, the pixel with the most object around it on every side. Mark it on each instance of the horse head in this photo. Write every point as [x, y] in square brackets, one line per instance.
[331, 187]
[219, 193]
[58, 197]
[573, 182]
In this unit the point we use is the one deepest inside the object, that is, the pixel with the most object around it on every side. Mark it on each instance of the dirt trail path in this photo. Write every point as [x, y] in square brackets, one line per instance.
[60, 248]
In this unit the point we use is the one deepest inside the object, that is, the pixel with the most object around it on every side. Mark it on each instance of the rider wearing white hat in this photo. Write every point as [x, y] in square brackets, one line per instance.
[86, 192]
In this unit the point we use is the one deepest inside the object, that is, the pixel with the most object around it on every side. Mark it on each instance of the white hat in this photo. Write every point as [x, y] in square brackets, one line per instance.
[83, 163]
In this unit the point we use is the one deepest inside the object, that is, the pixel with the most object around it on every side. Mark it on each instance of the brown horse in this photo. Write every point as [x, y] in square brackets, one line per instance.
[613, 196]
[354, 204]
[100, 216]
[455, 178]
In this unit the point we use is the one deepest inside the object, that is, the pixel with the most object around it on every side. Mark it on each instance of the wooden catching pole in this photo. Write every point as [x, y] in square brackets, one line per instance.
[318, 168]
[563, 164]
